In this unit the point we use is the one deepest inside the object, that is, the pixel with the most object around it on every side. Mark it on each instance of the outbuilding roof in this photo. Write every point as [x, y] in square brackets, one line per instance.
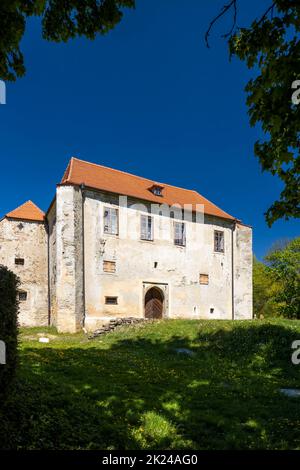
[27, 211]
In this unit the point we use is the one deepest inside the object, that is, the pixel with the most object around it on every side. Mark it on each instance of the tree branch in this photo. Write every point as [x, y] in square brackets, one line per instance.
[233, 4]
[234, 22]
[271, 8]
[224, 10]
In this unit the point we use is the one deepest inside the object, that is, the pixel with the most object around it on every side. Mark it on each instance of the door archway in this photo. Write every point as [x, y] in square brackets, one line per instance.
[154, 303]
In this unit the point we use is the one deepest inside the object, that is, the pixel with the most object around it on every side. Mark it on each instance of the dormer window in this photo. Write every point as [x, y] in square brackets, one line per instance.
[156, 189]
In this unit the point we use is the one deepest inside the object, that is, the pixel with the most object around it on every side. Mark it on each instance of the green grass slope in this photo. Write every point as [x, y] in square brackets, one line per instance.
[132, 390]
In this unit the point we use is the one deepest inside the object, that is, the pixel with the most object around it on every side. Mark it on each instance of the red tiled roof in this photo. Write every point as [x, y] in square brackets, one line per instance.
[28, 211]
[107, 179]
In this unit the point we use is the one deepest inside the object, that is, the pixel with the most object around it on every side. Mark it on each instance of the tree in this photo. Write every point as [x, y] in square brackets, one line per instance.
[271, 45]
[9, 309]
[265, 288]
[61, 21]
[284, 266]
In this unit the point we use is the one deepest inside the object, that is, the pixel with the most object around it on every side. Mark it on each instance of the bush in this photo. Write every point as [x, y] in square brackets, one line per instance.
[9, 307]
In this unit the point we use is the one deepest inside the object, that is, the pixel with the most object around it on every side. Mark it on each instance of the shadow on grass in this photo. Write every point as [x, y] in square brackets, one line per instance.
[140, 393]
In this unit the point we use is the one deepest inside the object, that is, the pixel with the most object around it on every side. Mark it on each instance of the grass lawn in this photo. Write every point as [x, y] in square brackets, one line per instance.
[132, 390]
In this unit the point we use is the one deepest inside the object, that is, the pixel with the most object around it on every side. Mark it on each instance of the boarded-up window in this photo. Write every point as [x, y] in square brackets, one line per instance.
[219, 241]
[111, 224]
[111, 300]
[146, 227]
[109, 266]
[19, 261]
[179, 234]
[203, 279]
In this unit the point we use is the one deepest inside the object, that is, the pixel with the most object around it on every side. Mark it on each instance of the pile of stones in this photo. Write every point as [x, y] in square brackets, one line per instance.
[116, 323]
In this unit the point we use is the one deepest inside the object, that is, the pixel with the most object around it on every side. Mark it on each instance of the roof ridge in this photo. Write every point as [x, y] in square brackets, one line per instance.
[135, 176]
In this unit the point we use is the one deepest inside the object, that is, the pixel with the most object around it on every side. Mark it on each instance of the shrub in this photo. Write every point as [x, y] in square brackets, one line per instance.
[8, 326]
[284, 266]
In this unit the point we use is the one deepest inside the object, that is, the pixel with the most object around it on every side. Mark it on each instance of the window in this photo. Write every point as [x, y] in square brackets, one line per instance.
[156, 190]
[111, 220]
[203, 279]
[179, 233]
[111, 300]
[22, 296]
[211, 310]
[19, 261]
[109, 266]
[146, 227]
[219, 241]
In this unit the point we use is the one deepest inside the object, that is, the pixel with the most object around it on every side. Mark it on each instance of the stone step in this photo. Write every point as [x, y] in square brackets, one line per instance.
[116, 323]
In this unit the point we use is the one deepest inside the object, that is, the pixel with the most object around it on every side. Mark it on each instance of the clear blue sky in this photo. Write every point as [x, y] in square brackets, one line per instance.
[148, 98]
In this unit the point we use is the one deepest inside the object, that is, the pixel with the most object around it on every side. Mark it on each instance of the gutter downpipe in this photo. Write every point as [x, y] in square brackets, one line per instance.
[82, 187]
[232, 268]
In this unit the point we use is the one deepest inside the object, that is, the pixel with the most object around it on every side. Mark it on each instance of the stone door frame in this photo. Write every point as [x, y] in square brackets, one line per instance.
[164, 287]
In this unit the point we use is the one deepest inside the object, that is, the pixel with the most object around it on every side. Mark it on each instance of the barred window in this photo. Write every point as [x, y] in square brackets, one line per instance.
[19, 261]
[111, 300]
[146, 227]
[179, 234]
[111, 223]
[219, 241]
[22, 296]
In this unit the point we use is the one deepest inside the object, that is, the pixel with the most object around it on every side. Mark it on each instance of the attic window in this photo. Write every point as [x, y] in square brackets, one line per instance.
[156, 189]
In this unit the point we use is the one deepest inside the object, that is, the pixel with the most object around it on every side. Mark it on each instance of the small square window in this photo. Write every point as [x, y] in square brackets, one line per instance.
[22, 296]
[109, 266]
[111, 300]
[19, 261]
[219, 241]
[204, 279]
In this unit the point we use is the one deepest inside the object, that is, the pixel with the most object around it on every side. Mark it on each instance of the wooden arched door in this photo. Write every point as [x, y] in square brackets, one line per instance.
[154, 302]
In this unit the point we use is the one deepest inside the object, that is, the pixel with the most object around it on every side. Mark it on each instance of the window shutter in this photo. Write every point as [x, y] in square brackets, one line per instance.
[144, 227]
[179, 234]
[221, 241]
[106, 221]
[114, 221]
[183, 235]
[150, 228]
